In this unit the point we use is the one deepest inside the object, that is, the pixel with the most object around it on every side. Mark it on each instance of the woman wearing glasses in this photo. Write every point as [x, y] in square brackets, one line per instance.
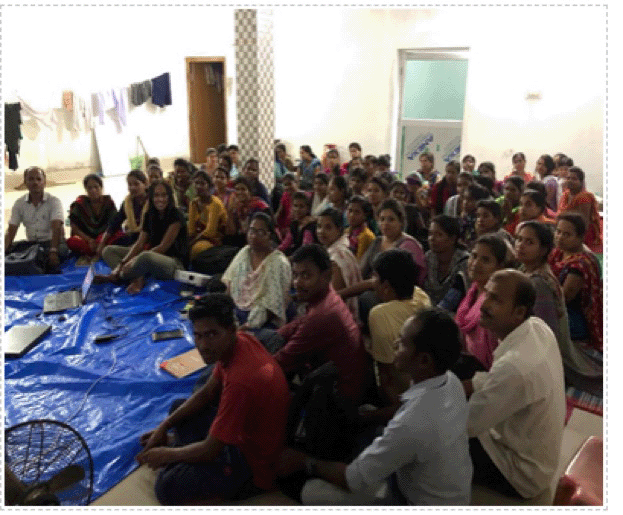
[259, 277]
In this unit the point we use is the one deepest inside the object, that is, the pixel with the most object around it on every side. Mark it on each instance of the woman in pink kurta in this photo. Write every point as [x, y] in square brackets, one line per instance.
[486, 257]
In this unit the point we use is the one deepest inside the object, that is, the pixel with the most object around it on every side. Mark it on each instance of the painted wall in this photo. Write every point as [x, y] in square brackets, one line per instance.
[339, 84]
[46, 50]
[335, 81]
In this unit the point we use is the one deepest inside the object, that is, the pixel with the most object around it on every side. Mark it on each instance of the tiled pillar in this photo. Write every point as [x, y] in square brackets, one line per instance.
[255, 98]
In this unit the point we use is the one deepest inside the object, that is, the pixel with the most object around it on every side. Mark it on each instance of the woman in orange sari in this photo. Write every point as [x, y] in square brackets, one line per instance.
[575, 198]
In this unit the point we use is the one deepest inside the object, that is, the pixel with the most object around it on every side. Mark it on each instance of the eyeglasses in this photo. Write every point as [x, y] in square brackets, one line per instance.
[258, 232]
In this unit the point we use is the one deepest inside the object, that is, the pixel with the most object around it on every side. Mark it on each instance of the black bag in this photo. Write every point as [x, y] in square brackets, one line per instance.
[214, 260]
[28, 261]
[320, 422]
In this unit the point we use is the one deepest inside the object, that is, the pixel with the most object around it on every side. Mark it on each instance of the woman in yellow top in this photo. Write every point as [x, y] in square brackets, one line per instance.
[130, 214]
[360, 237]
[207, 216]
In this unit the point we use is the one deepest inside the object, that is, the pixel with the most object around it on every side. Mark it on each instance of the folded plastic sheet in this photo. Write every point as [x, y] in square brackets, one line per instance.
[128, 393]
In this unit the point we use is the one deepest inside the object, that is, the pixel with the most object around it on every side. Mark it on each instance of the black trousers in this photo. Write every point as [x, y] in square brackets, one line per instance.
[227, 477]
[486, 473]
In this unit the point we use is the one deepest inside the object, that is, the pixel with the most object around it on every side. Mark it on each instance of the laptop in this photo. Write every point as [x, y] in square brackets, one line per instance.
[20, 339]
[62, 301]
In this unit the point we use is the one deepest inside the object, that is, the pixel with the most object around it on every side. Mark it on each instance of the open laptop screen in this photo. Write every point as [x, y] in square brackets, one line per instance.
[86, 284]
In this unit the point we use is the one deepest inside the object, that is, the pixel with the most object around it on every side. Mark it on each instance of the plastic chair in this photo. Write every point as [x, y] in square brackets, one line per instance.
[582, 483]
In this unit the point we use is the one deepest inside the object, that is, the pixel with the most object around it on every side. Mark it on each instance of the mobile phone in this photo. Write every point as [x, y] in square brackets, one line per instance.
[167, 335]
[103, 338]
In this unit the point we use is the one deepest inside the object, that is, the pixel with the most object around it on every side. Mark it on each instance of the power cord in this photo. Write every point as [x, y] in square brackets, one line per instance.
[110, 319]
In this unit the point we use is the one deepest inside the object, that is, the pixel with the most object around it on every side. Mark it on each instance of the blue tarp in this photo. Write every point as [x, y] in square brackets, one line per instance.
[133, 394]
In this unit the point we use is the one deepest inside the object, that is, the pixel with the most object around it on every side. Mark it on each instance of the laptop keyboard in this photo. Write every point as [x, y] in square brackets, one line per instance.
[65, 300]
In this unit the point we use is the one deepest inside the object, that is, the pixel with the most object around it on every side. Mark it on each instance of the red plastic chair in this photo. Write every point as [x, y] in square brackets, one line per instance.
[582, 483]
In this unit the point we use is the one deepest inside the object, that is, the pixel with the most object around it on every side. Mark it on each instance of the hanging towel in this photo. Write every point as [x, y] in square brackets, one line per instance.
[210, 75]
[104, 102]
[46, 117]
[82, 114]
[68, 100]
[12, 132]
[161, 90]
[120, 103]
[140, 92]
[213, 76]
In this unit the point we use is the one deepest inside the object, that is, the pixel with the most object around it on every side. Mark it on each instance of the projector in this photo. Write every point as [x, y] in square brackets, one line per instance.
[192, 278]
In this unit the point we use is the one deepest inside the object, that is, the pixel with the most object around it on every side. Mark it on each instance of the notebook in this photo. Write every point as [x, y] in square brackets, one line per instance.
[55, 302]
[184, 364]
[20, 339]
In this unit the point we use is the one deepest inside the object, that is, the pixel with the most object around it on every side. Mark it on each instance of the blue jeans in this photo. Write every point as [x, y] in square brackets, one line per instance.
[227, 477]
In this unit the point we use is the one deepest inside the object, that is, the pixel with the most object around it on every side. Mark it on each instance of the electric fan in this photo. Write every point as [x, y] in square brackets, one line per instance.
[46, 463]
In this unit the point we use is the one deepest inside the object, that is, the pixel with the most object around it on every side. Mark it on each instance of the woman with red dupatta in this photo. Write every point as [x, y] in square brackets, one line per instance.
[240, 208]
[577, 269]
[575, 198]
[89, 216]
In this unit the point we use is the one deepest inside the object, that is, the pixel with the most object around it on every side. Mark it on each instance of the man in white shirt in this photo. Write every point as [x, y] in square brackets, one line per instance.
[517, 408]
[42, 216]
[422, 457]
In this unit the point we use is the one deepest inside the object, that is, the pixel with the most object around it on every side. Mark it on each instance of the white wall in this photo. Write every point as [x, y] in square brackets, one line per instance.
[87, 49]
[336, 83]
[335, 74]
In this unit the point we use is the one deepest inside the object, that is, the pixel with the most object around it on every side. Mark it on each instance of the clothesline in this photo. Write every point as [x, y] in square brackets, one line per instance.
[85, 109]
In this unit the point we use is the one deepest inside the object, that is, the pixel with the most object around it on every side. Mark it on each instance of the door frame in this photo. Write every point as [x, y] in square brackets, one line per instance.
[422, 54]
[203, 59]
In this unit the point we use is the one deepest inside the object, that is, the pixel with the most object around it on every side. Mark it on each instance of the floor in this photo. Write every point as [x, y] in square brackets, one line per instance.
[137, 488]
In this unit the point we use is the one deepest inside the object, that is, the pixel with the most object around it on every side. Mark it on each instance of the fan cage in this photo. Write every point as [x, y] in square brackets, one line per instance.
[38, 449]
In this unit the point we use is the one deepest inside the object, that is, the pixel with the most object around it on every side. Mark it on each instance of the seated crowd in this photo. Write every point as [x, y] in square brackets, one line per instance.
[452, 305]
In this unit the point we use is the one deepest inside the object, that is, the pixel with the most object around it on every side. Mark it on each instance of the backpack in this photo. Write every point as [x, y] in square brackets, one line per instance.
[320, 422]
[28, 261]
[214, 260]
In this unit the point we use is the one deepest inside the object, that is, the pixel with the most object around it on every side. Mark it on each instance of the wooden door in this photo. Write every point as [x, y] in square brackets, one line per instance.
[206, 107]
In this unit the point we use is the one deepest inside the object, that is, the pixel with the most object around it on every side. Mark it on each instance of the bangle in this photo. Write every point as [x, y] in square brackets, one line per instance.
[310, 466]
[54, 249]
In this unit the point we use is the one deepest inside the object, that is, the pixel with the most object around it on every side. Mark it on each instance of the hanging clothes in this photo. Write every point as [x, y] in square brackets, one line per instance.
[68, 100]
[81, 120]
[210, 79]
[12, 132]
[140, 92]
[214, 76]
[104, 102]
[120, 101]
[161, 90]
[47, 117]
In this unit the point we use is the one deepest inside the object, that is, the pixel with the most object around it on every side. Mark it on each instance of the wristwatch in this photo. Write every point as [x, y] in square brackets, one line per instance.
[310, 465]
